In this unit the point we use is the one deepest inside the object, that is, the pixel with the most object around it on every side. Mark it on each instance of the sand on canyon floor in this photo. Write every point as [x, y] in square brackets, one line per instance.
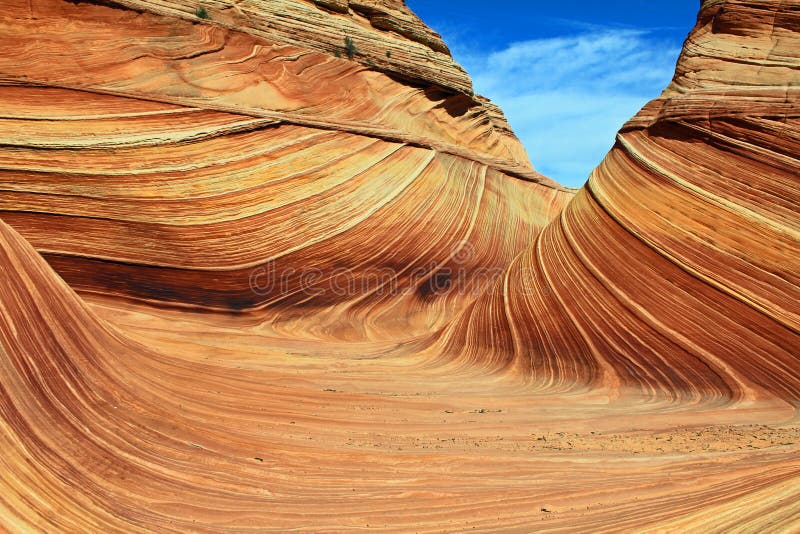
[389, 440]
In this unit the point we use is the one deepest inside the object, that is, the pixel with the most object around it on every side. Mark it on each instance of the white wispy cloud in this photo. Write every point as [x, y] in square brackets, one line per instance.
[566, 97]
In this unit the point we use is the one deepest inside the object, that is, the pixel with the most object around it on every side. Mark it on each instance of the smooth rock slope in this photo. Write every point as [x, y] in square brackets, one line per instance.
[676, 270]
[257, 278]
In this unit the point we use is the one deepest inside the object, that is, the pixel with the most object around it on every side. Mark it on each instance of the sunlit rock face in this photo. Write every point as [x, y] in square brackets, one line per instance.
[675, 270]
[158, 155]
[273, 265]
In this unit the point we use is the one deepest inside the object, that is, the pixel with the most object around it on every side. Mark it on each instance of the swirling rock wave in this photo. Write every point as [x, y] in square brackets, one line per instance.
[675, 270]
[256, 280]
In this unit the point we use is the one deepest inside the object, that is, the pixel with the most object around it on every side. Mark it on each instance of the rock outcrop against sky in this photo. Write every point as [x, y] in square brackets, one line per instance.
[273, 265]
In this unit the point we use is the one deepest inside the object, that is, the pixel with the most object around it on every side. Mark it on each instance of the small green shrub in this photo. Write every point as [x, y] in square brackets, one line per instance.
[388, 53]
[350, 47]
[201, 13]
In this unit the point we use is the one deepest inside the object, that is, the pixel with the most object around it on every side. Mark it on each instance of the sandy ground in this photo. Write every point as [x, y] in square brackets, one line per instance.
[388, 440]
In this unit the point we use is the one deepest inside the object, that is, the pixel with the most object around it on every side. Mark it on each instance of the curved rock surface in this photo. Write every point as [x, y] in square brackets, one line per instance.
[676, 269]
[172, 172]
[249, 285]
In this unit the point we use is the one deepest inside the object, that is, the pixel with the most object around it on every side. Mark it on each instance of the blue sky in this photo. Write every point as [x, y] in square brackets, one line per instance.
[567, 74]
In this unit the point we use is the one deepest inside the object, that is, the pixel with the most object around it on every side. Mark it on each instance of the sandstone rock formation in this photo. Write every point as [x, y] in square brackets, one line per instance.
[253, 279]
[688, 227]
[169, 172]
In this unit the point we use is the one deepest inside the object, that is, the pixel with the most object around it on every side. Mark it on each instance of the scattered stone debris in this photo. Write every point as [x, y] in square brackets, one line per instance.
[710, 439]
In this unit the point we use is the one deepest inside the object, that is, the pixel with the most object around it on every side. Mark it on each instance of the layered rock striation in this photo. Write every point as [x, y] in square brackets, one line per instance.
[675, 270]
[253, 277]
[165, 159]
